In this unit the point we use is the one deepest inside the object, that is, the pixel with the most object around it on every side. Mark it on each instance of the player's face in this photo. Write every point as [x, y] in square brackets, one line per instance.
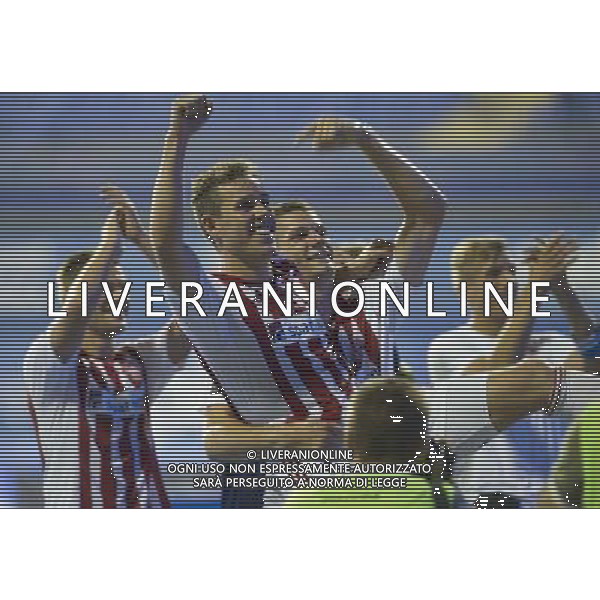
[102, 321]
[245, 224]
[500, 270]
[302, 240]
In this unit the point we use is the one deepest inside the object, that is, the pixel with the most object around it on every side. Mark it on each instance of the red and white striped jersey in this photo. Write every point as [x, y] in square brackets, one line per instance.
[259, 361]
[369, 341]
[93, 425]
[356, 340]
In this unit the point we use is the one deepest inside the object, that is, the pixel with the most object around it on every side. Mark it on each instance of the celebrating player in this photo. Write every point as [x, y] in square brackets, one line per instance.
[289, 376]
[265, 370]
[90, 398]
[302, 240]
[488, 343]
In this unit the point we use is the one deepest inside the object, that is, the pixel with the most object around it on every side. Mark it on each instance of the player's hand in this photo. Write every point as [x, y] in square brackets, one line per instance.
[550, 258]
[127, 219]
[188, 115]
[111, 234]
[310, 434]
[330, 133]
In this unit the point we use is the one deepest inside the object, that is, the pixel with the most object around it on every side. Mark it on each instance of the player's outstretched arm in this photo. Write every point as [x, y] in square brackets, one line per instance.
[66, 332]
[546, 263]
[510, 344]
[177, 261]
[582, 325]
[229, 438]
[422, 202]
[177, 345]
[129, 223]
[517, 391]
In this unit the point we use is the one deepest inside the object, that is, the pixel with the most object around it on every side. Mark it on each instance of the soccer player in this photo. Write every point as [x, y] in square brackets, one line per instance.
[303, 242]
[285, 386]
[293, 375]
[90, 397]
[488, 343]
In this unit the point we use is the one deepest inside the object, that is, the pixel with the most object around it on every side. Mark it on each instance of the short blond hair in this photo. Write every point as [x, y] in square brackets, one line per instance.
[206, 186]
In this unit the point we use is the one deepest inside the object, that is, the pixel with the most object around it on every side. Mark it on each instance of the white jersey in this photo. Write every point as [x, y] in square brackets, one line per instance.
[511, 461]
[458, 417]
[92, 422]
[180, 423]
[453, 351]
[269, 368]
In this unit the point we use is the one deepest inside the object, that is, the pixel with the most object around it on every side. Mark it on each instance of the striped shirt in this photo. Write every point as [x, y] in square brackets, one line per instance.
[270, 367]
[92, 421]
[356, 340]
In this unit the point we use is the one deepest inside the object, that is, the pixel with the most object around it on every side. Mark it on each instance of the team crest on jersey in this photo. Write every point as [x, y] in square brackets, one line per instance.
[114, 387]
[288, 330]
[127, 403]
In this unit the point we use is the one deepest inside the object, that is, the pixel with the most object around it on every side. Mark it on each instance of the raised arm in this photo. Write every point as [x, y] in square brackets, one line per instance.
[67, 332]
[583, 329]
[517, 391]
[546, 263]
[510, 344]
[421, 201]
[177, 345]
[178, 262]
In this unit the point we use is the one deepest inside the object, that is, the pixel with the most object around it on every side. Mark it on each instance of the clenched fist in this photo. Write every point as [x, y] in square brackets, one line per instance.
[188, 114]
[330, 133]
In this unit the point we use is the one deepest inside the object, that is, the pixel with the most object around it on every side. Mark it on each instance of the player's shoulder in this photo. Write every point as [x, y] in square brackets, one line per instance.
[40, 351]
[42, 365]
[170, 343]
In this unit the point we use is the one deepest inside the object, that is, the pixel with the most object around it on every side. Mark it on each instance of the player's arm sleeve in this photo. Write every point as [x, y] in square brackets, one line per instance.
[241, 362]
[446, 359]
[561, 351]
[161, 356]
[44, 370]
